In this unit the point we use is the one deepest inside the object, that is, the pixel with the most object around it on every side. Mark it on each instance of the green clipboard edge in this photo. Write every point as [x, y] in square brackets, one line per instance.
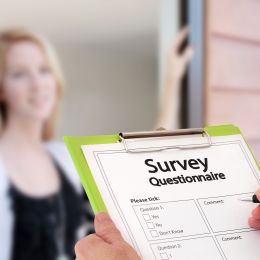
[74, 143]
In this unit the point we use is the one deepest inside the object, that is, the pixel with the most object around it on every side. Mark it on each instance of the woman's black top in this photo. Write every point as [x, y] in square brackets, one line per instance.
[37, 222]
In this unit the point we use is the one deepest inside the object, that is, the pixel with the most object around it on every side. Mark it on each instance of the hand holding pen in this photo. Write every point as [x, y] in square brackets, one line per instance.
[254, 220]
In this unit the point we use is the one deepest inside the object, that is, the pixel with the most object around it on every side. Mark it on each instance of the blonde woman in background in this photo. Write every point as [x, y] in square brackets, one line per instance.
[41, 207]
[40, 194]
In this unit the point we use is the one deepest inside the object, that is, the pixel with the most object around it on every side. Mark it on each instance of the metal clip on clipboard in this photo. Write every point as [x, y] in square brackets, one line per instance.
[164, 133]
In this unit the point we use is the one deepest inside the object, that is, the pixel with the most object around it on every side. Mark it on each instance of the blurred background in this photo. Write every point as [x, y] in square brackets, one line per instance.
[113, 55]
[109, 54]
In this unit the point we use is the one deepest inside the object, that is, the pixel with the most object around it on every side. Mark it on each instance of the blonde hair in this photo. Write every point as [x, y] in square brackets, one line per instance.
[13, 36]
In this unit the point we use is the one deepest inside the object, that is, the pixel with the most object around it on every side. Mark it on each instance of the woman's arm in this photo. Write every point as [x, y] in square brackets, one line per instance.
[175, 70]
[6, 216]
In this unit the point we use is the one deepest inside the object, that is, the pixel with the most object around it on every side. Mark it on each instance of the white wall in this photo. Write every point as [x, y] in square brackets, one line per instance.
[108, 91]
[114, 87]
[168, 29]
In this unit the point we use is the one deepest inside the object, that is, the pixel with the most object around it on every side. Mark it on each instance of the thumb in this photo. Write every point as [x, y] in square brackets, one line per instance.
[106, 229]
[258, 194]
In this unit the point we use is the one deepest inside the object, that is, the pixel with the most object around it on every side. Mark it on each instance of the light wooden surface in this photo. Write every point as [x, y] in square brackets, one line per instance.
[232, 83]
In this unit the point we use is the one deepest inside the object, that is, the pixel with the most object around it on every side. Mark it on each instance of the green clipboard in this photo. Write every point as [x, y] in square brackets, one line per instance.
[74, 144]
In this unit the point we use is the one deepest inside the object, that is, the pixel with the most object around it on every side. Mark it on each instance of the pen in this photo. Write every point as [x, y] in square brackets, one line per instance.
[253, 199]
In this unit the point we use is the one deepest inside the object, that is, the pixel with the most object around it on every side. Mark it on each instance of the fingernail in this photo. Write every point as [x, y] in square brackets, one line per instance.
[102, 216]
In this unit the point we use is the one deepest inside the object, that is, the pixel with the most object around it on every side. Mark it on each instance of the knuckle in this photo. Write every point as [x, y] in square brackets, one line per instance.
[256, 212]
[109, 230]
[78, 247]
[125, 251]
[82, 245]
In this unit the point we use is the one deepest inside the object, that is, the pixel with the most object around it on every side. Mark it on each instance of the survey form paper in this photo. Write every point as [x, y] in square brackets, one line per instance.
[180, 204]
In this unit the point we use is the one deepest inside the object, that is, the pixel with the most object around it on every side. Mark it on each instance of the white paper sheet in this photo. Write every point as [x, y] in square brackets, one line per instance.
[187, 209]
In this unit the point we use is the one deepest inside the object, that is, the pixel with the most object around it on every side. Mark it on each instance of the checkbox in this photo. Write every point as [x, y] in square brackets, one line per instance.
[154, 233]
[164, 256]
[146, 217]
[150, 225]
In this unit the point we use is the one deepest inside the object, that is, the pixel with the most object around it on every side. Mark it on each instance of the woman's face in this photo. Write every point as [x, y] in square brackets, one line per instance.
[29, 86]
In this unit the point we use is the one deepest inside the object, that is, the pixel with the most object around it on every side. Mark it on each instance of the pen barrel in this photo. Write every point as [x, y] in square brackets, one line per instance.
[255, 199]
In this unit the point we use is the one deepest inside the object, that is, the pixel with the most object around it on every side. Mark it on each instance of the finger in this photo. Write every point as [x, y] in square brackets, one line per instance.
[254, 223]
[180, 38]
[258, 194]
[187, 54]
[87, 246]
[256, 213]
[106, 229]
